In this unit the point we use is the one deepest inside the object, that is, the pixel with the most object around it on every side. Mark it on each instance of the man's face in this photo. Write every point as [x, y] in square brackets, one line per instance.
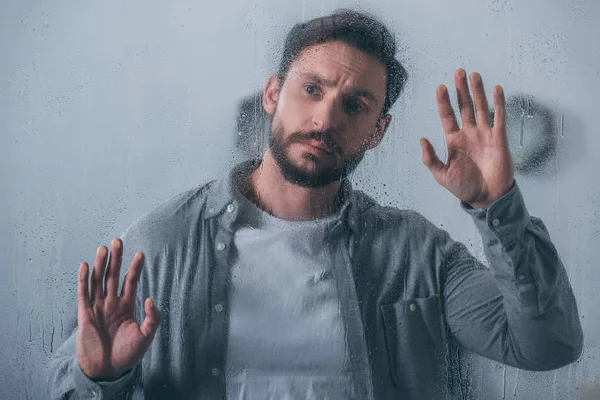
[327, 113]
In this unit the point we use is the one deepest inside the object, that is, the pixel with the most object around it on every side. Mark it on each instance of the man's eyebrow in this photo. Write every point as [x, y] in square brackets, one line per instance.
[320, 80]
[326, 82]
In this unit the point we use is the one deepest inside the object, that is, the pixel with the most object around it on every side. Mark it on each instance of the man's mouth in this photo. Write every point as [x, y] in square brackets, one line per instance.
[317, 144]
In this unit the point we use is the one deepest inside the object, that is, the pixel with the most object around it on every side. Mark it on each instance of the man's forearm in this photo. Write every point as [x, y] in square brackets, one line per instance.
[522, 310]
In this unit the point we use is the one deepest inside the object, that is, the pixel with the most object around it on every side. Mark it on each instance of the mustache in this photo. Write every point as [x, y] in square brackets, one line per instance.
[321, 136]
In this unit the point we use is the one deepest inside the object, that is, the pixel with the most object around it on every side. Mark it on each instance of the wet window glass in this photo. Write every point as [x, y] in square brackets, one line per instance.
[299, 200]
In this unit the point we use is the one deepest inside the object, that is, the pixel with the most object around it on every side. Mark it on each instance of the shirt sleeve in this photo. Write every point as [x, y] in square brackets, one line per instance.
[520, 310]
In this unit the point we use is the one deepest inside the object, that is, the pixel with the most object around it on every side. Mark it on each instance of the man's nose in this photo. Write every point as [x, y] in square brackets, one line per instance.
[326, 116]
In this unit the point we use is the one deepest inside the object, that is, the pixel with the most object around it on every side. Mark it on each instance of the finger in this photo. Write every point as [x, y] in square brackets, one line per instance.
[499, 110]
[114, 268]
[481, 104]
[130, 283]
[465, 103]
[432, 161]
[152, 320]
[84, 307]
[449, 123]
[97, 281]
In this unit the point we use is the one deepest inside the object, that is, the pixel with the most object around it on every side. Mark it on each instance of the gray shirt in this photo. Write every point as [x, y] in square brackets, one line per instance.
[286, 335]
[410, 296]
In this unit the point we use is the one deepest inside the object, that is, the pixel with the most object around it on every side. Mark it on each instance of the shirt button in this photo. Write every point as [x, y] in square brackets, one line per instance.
[215, 372]
[413, 307]
[211, 210]
[219, 307]
[496, 222]
[521, 277]
[221, 246]
[231, 208]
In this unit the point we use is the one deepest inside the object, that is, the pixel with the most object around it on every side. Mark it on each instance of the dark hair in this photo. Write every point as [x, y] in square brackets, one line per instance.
[356, 29]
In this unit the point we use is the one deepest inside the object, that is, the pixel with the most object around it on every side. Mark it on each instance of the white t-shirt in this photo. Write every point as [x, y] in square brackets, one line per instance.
[286, 335]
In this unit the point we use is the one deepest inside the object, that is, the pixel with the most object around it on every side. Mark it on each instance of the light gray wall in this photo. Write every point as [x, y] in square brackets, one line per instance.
[109, 108]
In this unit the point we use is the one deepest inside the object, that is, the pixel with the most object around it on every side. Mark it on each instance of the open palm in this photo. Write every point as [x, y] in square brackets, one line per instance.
[109, 339]
[479, 169]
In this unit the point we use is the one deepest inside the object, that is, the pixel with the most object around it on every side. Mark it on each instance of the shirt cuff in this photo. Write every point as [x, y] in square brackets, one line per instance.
[99, 390]
[505, 220]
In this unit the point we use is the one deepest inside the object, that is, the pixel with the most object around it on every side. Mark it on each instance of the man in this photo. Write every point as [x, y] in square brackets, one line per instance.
[281, 282]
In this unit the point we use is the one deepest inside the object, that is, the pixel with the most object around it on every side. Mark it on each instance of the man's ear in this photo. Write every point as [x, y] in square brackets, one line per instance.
[271, 94]
[380, 128]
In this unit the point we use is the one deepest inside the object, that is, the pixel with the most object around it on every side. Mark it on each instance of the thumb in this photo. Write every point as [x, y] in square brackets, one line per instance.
[152, 320]
[431, 160]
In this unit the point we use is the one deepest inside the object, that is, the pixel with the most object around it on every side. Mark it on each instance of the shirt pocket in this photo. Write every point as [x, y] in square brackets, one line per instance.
[414, 339]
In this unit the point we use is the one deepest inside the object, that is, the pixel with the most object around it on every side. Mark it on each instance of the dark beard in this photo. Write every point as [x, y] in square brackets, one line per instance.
[296, 175]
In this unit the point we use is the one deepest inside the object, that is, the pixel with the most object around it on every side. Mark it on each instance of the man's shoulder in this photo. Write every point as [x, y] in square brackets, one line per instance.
[172, 216]
[391, 217]
[389, 224]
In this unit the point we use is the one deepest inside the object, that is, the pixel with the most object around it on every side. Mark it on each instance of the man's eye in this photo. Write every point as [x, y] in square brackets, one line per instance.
[311, 89]
[353, 107]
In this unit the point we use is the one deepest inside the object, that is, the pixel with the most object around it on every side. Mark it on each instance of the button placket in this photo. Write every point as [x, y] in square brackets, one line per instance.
[222, 242]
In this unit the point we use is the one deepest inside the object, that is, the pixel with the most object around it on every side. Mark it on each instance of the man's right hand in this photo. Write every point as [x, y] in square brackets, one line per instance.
[109, 339]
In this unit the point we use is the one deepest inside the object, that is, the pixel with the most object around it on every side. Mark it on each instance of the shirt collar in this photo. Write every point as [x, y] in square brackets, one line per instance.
[221, 195]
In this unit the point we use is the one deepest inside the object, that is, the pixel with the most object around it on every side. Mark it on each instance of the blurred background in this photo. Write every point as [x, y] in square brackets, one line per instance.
[107, 109]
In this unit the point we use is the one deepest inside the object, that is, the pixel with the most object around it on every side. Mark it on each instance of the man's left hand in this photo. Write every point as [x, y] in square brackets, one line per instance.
[479, 169]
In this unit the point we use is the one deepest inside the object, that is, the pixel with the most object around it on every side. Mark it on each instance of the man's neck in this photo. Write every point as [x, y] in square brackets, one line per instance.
[269, 190]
